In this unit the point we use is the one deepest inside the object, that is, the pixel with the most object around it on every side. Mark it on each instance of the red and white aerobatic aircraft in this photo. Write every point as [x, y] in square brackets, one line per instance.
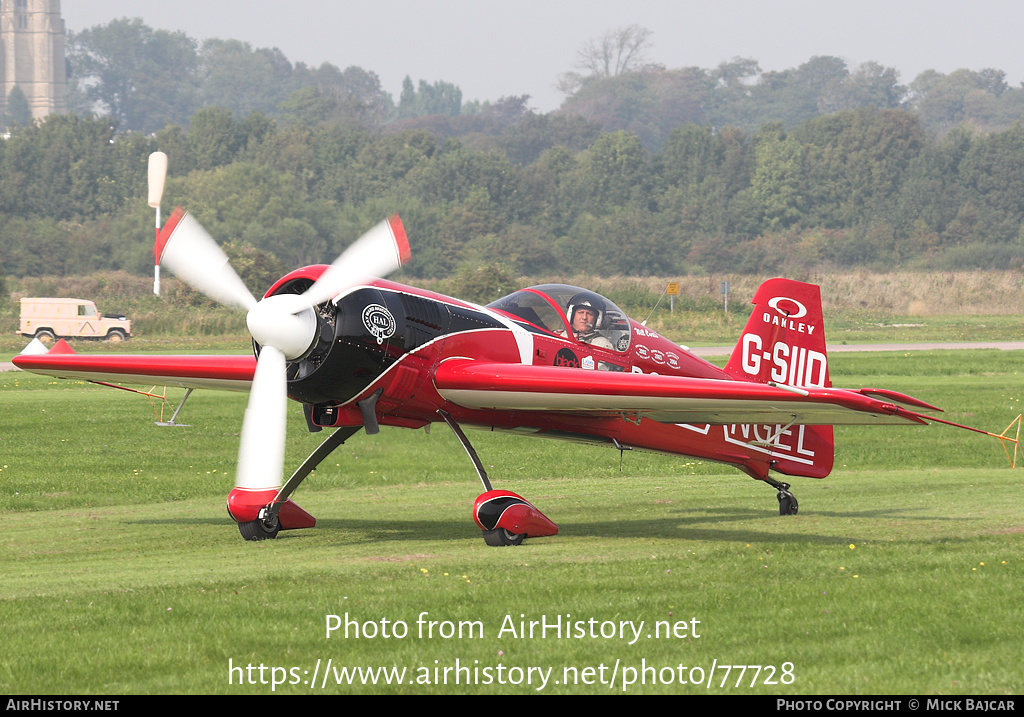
[551, 361]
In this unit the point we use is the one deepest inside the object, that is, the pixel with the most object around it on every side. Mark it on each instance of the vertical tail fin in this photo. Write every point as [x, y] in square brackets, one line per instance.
[784, 343]
[784, 339]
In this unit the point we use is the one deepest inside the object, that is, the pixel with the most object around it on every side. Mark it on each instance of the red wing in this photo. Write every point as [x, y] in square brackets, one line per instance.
[667, 399]
[228, 373]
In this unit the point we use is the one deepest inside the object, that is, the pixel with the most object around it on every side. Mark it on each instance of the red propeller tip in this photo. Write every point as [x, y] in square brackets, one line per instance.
[164, 235]
[401, 240]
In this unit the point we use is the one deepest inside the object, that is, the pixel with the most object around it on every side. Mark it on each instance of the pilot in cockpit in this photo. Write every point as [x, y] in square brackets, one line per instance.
[586, 314]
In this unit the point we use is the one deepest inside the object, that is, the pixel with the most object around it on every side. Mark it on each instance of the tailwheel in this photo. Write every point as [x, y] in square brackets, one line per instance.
[265, 527]
[501, 537]
[787, 503]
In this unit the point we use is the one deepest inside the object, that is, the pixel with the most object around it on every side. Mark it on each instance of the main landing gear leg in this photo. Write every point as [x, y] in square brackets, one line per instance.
[787, 501]
[282, 513]
[504, 517]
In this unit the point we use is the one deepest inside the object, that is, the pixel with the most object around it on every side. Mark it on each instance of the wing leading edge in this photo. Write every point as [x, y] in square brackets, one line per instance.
[666, 399]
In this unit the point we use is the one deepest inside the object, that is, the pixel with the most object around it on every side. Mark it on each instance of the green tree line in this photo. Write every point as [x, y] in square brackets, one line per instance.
[818, 167]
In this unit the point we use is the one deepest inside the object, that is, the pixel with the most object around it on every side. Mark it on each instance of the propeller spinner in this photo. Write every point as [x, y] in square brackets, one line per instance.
[285, 327]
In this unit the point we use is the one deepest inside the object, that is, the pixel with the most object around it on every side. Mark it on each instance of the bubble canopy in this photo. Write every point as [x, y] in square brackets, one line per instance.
[550, 307]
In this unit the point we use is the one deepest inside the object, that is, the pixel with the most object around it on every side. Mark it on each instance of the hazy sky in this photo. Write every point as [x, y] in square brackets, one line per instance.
[515, 47]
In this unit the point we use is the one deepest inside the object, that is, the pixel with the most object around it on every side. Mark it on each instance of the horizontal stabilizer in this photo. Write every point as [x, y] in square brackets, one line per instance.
[900, 398]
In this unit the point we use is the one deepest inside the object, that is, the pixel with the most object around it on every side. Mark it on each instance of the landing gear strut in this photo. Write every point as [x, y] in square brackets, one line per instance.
[787, 501]
[504, 517]
[259, 519]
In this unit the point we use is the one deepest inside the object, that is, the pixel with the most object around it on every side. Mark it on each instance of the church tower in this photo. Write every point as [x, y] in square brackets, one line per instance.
[32, 41]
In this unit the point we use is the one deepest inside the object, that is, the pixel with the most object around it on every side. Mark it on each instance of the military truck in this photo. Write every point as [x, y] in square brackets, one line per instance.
[51, 319]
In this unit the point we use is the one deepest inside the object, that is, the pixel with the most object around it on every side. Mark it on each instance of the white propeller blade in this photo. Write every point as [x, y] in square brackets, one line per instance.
[191, 253]
[377, 253]
[261, 453]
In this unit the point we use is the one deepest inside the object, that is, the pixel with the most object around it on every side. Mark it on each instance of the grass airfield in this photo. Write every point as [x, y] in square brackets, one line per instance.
[122, 573]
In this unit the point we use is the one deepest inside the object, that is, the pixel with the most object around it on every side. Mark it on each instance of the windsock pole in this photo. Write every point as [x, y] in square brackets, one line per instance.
[156, 259]
[157, 175]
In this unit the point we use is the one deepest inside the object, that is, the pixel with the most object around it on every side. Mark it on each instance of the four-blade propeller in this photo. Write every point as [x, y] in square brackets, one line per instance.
[285, 325]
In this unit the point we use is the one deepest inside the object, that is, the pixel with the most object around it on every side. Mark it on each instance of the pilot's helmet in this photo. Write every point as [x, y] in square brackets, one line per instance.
[589, 300]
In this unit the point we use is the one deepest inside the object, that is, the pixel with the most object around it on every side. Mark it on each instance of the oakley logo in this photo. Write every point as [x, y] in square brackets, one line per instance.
[790, 308]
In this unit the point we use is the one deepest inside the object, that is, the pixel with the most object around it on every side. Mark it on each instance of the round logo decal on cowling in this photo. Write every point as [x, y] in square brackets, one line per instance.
[379, 322]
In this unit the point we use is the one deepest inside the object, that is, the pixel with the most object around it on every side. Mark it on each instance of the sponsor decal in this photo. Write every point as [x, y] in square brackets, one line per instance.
[379, 322]
[788, 441]
[788, 444]
[587, 362]
[565, 357]
[786, 313]
[790, 308]
[798, 326]
[791, 444]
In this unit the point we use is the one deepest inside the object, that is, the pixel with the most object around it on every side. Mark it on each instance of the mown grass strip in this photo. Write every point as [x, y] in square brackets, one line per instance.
[124, 575]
